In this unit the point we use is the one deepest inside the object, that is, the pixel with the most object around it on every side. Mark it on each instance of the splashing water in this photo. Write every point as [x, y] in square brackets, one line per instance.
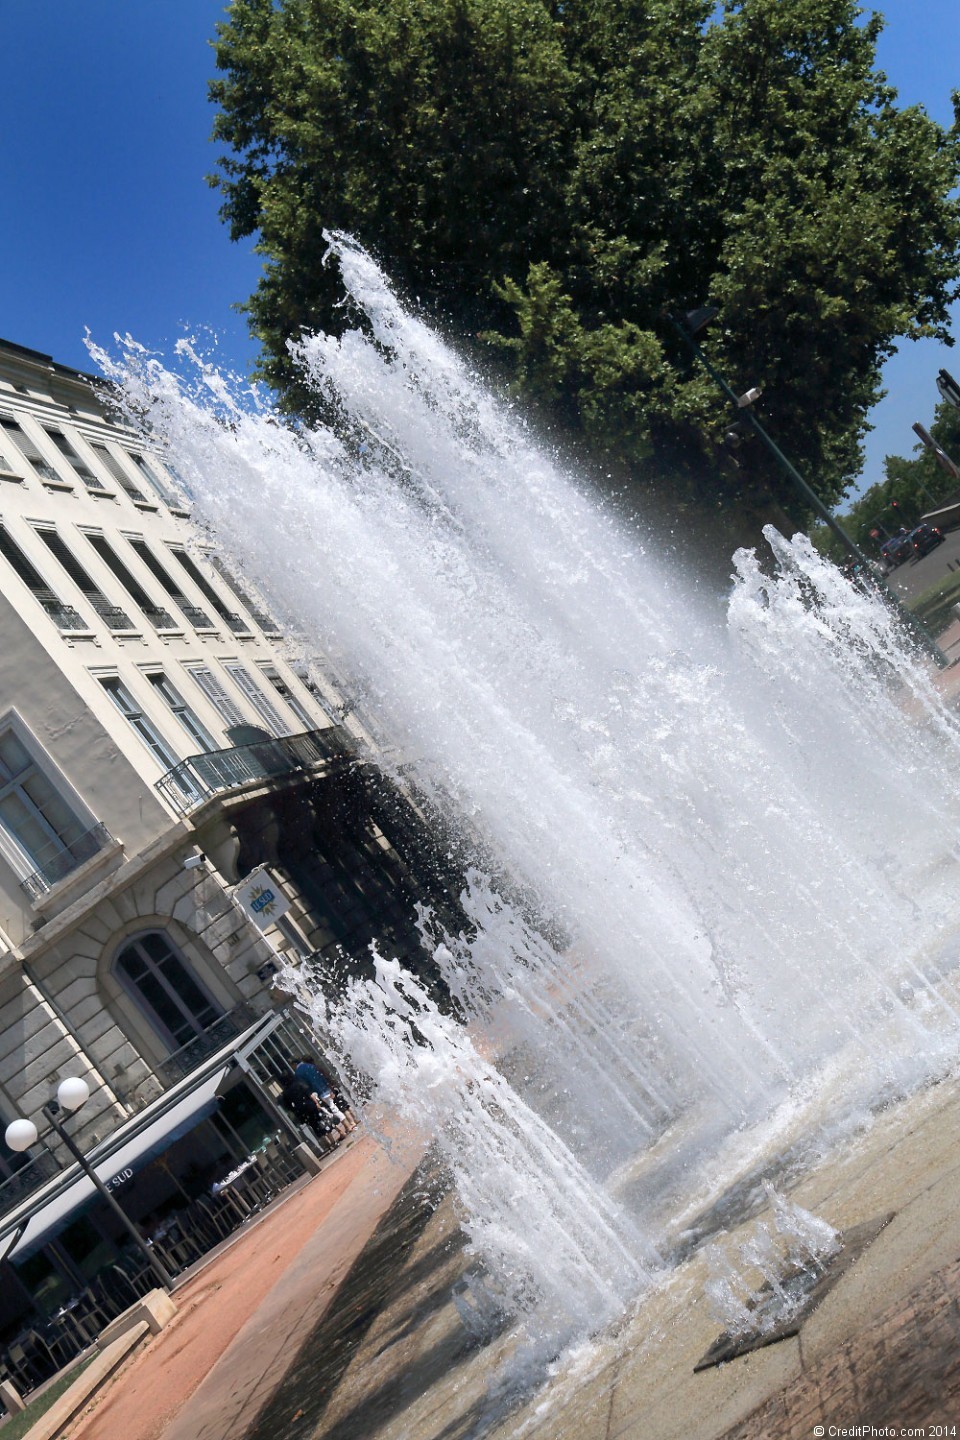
[736, 827]
[767, 1280]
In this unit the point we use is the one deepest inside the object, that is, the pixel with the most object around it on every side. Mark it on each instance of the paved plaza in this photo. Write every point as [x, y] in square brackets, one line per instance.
[335, 1319]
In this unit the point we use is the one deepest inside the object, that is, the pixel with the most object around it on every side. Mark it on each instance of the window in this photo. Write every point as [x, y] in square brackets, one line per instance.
[46, 835]
[115, 618]
[194, 614]
[63, 616]
[265, 621]
[113, 465]
[70, 453]
[258, 700]
[132, 713]
[283, 689]
[153, 478]
[158, 617]
[217, 695]
[28, 448]
[181, 710]
[152, 969]
[8, 470]
[235, 622]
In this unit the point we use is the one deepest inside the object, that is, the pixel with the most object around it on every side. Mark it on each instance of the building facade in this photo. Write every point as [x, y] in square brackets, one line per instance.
[157, 748]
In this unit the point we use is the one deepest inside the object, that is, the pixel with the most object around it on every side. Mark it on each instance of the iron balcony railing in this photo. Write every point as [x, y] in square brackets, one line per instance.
[27, 1178]
[161, 619]
[58, 859]
[200, 776]
[185, 1060]
[63, 616]
[198, 618]
[115, 618]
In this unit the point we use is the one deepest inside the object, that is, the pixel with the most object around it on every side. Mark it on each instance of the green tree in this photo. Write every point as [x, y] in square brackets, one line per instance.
[551, 178]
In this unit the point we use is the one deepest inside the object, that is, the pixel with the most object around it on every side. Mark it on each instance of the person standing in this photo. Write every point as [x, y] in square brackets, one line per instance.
[312, 1075]
[297, 1097]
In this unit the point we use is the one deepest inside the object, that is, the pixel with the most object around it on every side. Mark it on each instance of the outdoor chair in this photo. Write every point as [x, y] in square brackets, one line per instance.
[62, 1341]
[90, 1314]
[116, 1289]
[31, 1360]
[139, 1272]
[220, 1217]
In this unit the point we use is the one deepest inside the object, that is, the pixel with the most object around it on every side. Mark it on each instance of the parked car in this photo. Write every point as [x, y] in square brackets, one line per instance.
[925, 538]
[896, 550]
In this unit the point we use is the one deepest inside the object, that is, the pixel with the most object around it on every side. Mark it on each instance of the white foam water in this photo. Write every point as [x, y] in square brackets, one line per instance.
[729, 819]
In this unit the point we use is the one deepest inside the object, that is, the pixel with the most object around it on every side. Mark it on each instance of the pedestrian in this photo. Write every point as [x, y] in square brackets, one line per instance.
[311, 1075]
[299, 1100]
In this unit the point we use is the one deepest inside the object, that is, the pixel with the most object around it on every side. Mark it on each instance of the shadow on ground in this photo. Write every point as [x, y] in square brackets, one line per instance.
[385, 1308]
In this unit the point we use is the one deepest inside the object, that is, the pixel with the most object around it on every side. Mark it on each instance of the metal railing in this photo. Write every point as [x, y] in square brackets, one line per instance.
[200, 776]
[58, 859]
[63, 616]
[185, 1060]
[115, 618]
[161, 619]
[27, 1178]
[198, 618]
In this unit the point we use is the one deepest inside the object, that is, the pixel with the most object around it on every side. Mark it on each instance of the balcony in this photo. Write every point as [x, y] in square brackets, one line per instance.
[58, 859]
[27, 1178]
[199, 777]
[111, 615]
[185, 1060]
[198, 618]
[159, 618]
[63, 616]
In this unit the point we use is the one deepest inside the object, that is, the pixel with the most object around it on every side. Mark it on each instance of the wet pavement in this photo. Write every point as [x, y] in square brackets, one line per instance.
[349, 1328]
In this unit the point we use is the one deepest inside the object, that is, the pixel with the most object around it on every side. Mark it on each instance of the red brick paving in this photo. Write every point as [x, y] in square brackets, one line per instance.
[216, 1304]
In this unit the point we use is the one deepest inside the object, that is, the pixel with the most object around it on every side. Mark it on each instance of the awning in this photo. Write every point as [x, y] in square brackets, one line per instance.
[8, 1241]
[130, 1146]
[135, 1152]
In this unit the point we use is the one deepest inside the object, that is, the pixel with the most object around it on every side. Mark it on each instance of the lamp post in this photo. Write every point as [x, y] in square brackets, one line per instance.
[21, 1134]
[696, 321]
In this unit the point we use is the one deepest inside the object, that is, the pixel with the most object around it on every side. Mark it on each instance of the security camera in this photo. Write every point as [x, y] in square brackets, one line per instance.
[749, 397]
[192, 861]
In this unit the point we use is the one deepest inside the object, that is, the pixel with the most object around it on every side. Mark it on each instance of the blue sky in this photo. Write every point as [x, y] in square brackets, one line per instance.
[108, 223]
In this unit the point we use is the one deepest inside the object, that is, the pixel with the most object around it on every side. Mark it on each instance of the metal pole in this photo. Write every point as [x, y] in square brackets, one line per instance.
[939, 454]
[159, 1270]
[921, 632]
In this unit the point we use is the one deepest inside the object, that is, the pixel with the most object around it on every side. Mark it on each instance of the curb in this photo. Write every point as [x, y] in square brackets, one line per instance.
[73, 1399]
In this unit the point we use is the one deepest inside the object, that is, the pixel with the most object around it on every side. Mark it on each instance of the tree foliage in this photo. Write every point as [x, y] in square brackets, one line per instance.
[551, 178]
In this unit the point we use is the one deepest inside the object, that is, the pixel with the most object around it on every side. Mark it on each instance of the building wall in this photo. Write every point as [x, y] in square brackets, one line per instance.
[63, 1009]
[82, 756]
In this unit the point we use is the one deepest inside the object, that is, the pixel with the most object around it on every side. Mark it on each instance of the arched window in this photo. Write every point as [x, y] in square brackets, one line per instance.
[158, 977]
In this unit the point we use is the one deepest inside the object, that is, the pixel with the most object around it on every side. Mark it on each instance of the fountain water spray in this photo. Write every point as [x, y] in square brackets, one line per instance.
[736, 828]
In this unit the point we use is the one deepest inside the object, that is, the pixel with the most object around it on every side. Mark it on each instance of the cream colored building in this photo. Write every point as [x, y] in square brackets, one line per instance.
[156, 747]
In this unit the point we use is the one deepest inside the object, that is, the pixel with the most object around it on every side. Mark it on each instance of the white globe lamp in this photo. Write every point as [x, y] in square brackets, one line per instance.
[21, 1134]
[72, 1094]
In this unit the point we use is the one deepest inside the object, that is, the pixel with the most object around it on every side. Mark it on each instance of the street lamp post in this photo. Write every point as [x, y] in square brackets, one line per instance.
[696, 321]
[21, 1134]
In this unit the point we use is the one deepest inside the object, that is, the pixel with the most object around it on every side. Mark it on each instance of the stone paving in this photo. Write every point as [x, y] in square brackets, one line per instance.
[903, 1370]
[882, 1348]
[372, 1347]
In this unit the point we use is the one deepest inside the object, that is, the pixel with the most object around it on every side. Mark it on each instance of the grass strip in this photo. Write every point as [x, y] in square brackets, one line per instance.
[16, 1426]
